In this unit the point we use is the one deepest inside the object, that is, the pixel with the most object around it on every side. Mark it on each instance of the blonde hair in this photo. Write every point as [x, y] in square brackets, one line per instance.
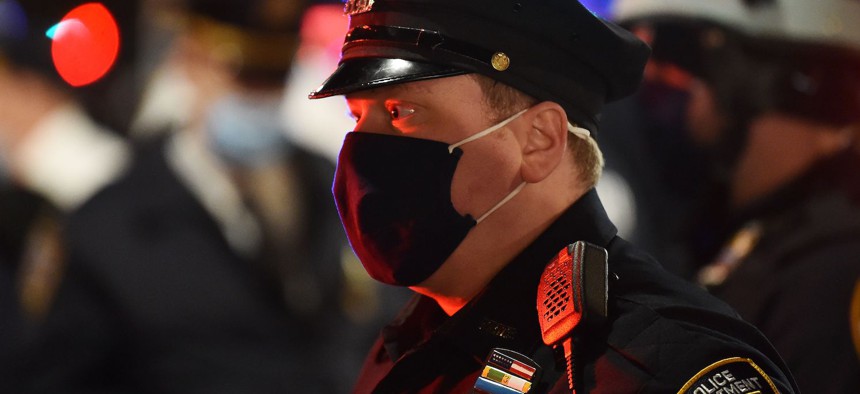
[503, 100]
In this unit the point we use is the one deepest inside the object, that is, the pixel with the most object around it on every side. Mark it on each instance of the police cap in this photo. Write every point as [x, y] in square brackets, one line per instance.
[258, 37]
[554, 50]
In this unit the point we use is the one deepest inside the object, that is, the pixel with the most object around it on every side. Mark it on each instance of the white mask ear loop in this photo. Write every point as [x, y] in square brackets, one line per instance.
[578, 131]
[485, 132]
[504, 200]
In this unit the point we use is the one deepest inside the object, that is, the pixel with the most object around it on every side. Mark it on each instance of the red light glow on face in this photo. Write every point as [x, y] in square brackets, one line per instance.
[86, 44]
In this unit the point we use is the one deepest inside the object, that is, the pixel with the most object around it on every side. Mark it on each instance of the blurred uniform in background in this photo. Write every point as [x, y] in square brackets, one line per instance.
[774, 98]
[10, 324]
[59, 144]
[213, 264]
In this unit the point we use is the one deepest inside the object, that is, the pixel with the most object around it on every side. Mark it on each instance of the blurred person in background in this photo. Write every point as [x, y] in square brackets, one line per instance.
[652, 178]
[653, 172]
[774, 98]
[60, 137]
[213, 265]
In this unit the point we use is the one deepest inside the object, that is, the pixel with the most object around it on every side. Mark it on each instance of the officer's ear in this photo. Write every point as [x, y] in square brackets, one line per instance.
[545, 141]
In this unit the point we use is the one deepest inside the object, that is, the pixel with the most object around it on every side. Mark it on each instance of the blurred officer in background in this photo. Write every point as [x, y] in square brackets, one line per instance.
[59, 140]
[58, 136]
[775, 99]
[213, 264]
[471, 166]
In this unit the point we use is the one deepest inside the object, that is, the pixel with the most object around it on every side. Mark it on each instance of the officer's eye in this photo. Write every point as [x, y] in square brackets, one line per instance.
[399, 111]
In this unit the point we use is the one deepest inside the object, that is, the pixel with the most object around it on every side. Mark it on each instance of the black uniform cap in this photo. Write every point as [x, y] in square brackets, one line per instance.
[261, 36]
[554, 50]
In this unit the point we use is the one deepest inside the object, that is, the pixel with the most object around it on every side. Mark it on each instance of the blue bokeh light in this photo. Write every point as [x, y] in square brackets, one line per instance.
[601, 8]
[13, 21]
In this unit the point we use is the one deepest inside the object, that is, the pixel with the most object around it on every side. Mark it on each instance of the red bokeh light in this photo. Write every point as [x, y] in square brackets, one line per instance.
[86, 44]
[323, 28]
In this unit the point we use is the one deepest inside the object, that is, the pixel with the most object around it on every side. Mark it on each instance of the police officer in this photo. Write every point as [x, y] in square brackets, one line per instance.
[472, 164]
[59, 143]
[60, 139]
[775, 100]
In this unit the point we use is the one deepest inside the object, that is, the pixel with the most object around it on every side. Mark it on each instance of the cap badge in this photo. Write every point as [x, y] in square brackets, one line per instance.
[353, 7]
[500, 61]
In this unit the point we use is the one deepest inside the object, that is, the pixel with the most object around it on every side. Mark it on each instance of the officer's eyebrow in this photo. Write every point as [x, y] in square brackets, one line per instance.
[414, 87]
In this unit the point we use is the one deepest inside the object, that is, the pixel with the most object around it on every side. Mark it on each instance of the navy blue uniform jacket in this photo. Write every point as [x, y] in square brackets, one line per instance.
[663, 334]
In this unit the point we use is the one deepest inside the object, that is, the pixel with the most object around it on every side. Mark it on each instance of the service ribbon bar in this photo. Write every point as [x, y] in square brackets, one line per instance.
[486, 386]
[514, 382]
[508, 363]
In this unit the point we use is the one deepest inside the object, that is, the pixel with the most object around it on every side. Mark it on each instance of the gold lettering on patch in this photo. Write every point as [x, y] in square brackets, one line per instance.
[712, 381]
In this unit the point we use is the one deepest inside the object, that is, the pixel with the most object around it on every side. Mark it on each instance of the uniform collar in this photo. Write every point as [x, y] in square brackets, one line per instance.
[504, 314]
[208, 181]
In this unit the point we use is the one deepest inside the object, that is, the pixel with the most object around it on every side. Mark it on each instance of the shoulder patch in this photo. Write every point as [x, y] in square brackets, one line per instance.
[730, 376]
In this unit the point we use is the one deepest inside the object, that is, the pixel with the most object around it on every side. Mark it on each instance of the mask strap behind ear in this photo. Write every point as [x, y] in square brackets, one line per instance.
[578, 131]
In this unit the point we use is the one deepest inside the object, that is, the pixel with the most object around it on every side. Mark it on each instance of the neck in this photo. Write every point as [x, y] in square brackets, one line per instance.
[492, 244]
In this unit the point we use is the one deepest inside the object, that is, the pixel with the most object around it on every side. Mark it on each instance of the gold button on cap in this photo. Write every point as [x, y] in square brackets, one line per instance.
[500, 61]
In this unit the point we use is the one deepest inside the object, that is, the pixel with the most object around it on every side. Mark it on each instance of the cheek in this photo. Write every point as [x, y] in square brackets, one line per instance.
[465, 186]
[484, 176]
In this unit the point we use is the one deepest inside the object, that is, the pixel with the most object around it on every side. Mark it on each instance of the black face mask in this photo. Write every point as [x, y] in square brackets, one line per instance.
[394, 198]
[393, 194]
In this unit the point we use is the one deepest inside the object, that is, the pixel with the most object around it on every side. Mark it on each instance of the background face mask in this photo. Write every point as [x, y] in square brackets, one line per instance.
[247, 131]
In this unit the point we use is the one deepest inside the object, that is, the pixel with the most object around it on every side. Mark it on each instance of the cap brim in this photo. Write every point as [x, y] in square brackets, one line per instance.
[368, 73]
